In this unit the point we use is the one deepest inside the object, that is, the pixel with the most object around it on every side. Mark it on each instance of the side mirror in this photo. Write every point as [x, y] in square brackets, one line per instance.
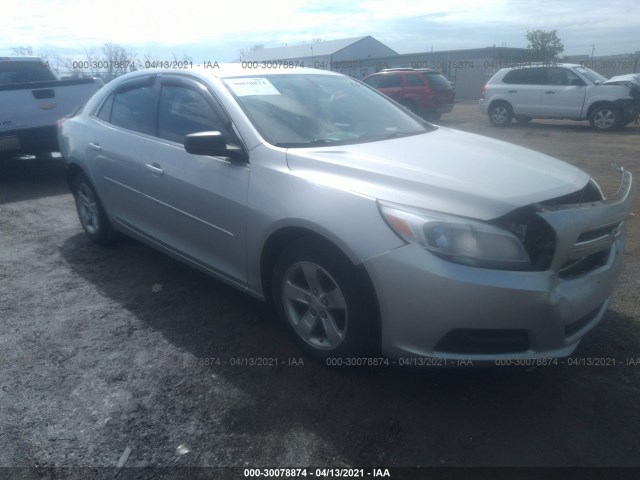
[213, 144]
[576, 82]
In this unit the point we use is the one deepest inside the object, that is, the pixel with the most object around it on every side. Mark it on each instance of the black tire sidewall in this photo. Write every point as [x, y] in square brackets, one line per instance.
[509, 116]
[104, 233]
[618, 118]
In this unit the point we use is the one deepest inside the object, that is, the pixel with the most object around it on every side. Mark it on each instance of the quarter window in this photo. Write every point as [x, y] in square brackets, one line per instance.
[105, 110]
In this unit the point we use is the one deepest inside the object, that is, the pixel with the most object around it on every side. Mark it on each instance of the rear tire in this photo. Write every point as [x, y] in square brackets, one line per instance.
[92, 217]
[321, 298]
[500, 114]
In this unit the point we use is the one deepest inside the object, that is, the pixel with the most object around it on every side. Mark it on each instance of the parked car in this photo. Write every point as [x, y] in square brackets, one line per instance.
[562, 91]
[366, 227]
[32, 100]
[425, 92]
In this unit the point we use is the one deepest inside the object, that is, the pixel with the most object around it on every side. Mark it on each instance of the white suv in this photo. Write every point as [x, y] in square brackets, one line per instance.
[561, 91]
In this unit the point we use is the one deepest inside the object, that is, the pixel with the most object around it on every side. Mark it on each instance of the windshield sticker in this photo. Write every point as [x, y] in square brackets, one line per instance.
[244, 87]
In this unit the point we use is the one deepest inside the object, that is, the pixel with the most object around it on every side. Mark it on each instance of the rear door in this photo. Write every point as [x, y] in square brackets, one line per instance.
[416, 90]
[522, 88]
[117, 138]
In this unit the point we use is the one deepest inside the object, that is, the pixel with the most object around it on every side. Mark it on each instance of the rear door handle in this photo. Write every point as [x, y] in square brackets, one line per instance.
[550, 92]
[154, 169]
[512, 91]
[95, 146]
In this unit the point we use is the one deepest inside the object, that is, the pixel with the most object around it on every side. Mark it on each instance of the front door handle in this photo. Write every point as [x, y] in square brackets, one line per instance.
[155, 169]
[550, 92]
[512, 91]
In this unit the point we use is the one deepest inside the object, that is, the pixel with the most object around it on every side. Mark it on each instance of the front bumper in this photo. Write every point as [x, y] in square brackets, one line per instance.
[432, 307]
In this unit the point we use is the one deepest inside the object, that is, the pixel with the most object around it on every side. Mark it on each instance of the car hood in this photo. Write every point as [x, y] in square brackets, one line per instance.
[444, 170]
[631, 78]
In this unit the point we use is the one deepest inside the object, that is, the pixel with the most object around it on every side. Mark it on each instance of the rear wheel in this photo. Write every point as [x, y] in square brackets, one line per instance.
[92, 217]
[606, 118]
[500, 114]
[317, 293]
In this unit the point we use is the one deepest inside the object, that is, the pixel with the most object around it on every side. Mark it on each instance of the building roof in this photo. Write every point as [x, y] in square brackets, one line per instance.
[314, 49]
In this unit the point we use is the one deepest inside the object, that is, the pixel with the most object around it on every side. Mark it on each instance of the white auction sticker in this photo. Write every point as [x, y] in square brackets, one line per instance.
[251, 86]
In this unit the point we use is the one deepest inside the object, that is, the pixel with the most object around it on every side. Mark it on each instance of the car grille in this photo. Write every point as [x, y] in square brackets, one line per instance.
[539, 238]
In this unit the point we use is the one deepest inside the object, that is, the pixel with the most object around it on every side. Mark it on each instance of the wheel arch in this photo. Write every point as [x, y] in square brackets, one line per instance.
[600, 103]
[278, 241]
[73, 170]
[496, 101]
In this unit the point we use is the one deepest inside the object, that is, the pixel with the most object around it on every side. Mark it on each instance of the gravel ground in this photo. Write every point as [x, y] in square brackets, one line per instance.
[112, 350]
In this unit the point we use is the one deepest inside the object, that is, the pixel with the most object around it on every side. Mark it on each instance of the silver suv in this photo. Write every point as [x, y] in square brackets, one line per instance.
[561, 91]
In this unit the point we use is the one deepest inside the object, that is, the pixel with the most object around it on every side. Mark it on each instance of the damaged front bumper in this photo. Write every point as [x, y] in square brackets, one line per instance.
[434, 308]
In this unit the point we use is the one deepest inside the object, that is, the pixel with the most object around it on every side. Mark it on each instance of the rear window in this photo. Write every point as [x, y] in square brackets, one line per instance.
[24, 72]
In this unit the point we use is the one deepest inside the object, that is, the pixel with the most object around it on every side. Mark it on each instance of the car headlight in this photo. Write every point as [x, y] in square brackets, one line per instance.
[457, 239]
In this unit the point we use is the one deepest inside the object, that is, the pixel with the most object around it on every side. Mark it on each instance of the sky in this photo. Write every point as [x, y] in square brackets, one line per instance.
[207, 31]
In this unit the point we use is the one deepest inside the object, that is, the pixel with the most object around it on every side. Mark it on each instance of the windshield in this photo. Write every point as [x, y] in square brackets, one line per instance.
[301, 110]
[595, 77]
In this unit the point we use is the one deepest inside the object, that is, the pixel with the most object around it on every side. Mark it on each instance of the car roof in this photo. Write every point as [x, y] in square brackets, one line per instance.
[245, 69]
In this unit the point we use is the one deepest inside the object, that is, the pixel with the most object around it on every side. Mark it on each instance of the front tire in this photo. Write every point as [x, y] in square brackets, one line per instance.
[319, 295]
[92, 217]
[606, 118]
[500, 114]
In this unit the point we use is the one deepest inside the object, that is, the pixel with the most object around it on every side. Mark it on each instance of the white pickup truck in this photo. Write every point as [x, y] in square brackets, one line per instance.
[32, 99]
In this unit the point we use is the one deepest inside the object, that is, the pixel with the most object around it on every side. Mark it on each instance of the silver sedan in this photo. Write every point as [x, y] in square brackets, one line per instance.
[367, 228]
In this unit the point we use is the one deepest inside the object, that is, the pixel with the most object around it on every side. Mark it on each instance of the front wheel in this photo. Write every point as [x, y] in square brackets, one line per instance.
[606, 118]
[90, 211]
[500, 114]
[317, 293]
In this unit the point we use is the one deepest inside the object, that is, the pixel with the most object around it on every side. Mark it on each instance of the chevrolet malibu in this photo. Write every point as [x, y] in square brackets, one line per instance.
[368, 229]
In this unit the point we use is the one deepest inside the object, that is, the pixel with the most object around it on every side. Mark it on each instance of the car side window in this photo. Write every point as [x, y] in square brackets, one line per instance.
[572, 78]
[135, 109]
[183, 111]
[525, 76]
[415, 81]
[556, 76]
[390, 81]
[105, 110]
[373, 81]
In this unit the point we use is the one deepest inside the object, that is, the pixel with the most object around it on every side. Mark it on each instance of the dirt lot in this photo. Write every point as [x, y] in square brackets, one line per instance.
[103, 349]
